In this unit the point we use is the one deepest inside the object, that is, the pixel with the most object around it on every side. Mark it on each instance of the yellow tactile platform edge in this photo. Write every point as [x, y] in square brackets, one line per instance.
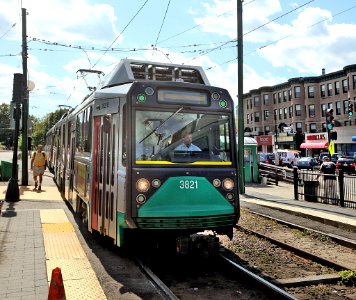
[63, 250]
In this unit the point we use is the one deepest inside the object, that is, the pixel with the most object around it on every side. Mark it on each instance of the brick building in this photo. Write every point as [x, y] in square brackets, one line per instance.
[297, 107]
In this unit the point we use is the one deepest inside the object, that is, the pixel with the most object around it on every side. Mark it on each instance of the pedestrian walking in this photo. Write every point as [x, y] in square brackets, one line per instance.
[329, 171]
[38, 165]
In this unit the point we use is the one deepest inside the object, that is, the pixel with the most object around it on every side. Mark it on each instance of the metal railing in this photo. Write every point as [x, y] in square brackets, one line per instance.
[312, 186]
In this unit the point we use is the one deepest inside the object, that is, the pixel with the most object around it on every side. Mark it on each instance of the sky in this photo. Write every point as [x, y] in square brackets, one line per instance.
[281, 39]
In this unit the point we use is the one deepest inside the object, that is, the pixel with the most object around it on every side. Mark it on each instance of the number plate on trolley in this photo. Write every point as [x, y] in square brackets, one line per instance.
[188, 184]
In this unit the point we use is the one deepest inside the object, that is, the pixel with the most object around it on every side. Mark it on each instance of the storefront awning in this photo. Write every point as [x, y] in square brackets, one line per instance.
[314, 145]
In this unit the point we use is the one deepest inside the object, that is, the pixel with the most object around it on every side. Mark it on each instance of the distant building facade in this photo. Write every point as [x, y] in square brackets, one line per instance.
[297, 107]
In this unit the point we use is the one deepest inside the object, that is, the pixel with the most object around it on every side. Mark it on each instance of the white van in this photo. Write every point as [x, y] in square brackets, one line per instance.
[287, 158]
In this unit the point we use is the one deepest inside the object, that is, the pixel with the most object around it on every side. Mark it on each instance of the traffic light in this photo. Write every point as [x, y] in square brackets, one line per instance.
[329, 119]
[351, 109]
[333, 136]
[18, 87]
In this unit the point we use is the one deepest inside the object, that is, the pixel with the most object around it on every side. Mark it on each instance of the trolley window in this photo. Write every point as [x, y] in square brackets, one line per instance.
[182, 97]
[176, 138]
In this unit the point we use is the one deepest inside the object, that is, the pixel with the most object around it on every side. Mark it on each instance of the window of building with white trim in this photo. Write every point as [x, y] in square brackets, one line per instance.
[256, 101]
[290, 111]
[297, 93]
[312, 128]
[290, 94]
[284, 96]
[322, 90]
[298, 110]
[266, 115]
[248, 119]
[346, 107]
[330, 105]
[266, 99]
[257, 116]
[330, 89]
[354, 81]
[323, 110]
[285, 113]
[338, 107]
[267, 129]
[299, 127]
[280, 113]
[274, 98]
[279, 97]
[337, 87]
[311, 91]
[311, 109]
[345, 86]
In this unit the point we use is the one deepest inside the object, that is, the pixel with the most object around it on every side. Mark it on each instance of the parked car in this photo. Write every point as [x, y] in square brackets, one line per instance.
[266, 158]
[347, 164]
[307, 163]
[334, 157]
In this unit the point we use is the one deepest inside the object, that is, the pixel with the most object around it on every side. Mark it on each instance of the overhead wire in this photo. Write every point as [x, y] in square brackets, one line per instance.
[143, 5]
[7, 31]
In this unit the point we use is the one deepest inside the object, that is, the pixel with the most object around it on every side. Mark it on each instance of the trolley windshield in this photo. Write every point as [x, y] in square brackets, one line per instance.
[182, 138]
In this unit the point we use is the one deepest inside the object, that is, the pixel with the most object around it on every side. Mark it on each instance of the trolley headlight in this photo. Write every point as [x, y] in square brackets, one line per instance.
[156, 183]
[142, 185]
[228, 184]
[217, 182]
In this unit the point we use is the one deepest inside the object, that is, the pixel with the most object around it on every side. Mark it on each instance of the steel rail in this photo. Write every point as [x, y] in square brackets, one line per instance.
[270, 288]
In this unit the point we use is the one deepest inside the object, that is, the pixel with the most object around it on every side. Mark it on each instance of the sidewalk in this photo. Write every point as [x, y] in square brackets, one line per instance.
[36, 237]
[281, 197]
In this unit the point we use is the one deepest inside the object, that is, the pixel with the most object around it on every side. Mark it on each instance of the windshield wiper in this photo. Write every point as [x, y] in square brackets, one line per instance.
[160, 125]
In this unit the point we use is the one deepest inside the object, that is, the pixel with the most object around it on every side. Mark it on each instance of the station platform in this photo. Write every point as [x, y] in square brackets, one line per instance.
[281, 198]
[36, 237]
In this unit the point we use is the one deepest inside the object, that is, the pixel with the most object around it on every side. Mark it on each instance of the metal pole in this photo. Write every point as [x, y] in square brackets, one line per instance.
[12, 192]
[240, 133]
[25, 106]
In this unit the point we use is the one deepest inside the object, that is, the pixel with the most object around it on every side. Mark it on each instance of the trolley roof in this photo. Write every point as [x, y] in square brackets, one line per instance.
[134, 70]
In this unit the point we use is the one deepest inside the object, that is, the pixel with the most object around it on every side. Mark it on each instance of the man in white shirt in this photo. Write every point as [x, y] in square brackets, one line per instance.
[187, 143]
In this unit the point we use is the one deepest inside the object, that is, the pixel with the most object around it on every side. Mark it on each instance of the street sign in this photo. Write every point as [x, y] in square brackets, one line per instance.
[331, 148]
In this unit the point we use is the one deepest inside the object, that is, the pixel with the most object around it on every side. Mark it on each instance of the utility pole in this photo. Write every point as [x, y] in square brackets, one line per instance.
[25, 105]
[240, 120]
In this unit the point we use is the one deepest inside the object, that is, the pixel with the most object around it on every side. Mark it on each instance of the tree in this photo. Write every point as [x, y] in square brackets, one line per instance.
[6, 133]
[43, 125]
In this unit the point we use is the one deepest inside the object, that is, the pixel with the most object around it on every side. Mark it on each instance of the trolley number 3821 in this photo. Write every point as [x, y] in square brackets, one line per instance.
[188, 184]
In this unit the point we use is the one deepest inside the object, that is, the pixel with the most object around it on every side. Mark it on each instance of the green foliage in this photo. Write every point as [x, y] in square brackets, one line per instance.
[43, 125]
[348, 277]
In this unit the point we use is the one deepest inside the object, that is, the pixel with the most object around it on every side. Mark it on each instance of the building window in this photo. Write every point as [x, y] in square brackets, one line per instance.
[279, 97]
[284, 96]
[266, 115]
[275, 114]
[311, 91]
[345, 86]
[290, 94]
[299, 127]
[248, 119]
[311, 108]
[312, 127]
[297, 92]
[337, 87]
[285, 113]
[324, 127]
[247, 106]
[266, 99]
[322, 90]
[330, 89]
[354, 81]
[251, 118]
[346, 123]
[250, 102]
[330, 105]
[267, 130]
[274, 98]
[257, 116]
[280, 113]
[323, 110]
[298, 110]
[338, 107]
[346, 109]
[290, 111]
[256, 101]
